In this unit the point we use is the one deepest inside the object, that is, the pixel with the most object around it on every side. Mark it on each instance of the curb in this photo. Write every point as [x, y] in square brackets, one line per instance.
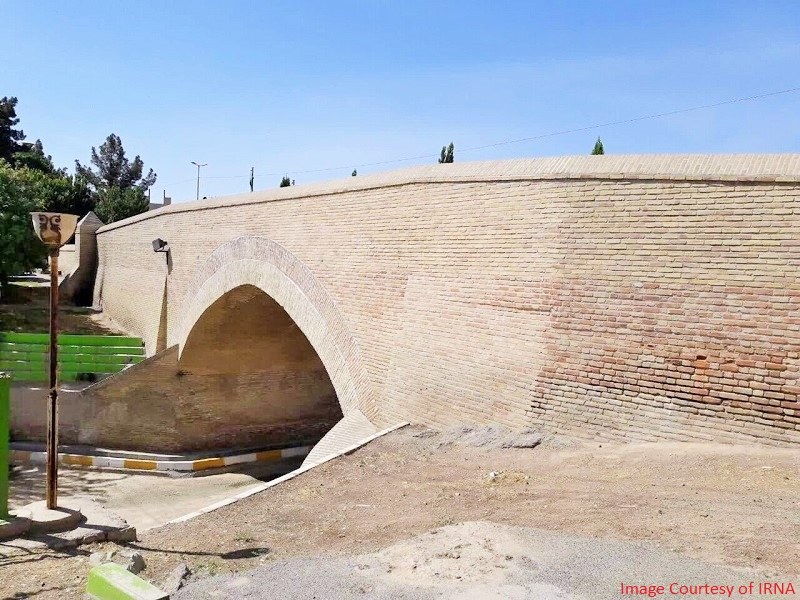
[287, 477]
[19, 457]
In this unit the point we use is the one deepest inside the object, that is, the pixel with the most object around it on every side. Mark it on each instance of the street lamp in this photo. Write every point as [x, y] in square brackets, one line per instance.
[198, 177]
[55, 230]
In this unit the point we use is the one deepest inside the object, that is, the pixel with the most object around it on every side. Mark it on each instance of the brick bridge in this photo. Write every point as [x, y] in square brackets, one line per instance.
[635, 297]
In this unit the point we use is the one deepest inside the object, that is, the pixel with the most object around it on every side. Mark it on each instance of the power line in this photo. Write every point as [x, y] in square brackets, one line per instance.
[566, 131]
[530, 138]
[636, 119]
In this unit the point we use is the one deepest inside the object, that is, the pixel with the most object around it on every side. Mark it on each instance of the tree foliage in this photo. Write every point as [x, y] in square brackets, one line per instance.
[115, 203]
[9, 136]
[114, 169]
[354, 173]
[54, 192]
[32, 156]
[29, 181]
[20, 249]
[285, 181]
[13, 149]
[447, 154]
[598, 147]
[117, 185]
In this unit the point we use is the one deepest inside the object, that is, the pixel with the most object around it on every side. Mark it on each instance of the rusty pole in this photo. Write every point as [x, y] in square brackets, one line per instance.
[52, 403]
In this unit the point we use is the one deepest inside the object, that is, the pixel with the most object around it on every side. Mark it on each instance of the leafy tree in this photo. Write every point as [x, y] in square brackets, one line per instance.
[114, 169]
[32, 156]
[354, 173]
[447, 154]
[598, 147]
[54, 192]
[118, 185]
[13, 149]
[20, 249]
[9, 137]
[285, 182]
[115, 203]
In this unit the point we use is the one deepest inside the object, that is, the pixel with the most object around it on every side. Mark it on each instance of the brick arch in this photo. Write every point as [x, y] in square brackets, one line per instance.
[267, 265]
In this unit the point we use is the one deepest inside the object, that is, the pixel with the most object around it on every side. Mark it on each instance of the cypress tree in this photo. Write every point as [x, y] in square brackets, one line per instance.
[447, 154]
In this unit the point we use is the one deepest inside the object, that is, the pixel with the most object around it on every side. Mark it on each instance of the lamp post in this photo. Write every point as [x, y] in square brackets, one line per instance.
[198, 177]
[5, 401]
[54, 229]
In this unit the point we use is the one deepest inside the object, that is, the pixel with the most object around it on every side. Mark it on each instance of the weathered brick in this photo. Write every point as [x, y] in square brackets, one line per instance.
[585, 301]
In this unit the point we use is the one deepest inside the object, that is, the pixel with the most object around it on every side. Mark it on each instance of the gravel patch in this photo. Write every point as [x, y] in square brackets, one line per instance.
[474, 560]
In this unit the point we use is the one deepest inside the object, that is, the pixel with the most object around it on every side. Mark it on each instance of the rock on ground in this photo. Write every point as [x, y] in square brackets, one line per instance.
[482, 436]
[176, 579]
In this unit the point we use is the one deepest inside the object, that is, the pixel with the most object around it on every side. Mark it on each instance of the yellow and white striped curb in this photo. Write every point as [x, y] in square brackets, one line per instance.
[137, 464]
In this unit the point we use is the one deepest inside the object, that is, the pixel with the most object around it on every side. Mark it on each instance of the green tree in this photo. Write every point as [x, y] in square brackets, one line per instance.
[114, 169]
[354, 173]
[9, 137]
[20, 250]
[32, 156]
[13, 149]
[285, 182]
[117, 185]
[115, 203]
[598, 147]
[447, 154]
[54, 192]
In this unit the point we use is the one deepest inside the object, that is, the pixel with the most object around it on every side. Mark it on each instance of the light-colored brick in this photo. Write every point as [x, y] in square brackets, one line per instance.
[572, 293]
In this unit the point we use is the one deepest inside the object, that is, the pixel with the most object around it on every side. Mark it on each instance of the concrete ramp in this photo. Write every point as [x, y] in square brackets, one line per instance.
[350, 430]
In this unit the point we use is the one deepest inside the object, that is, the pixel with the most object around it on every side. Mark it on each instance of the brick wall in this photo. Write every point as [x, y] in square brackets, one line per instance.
[157, 407]
[625, 297]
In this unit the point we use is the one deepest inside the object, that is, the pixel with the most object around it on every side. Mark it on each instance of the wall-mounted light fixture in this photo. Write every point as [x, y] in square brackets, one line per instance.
[160, 245]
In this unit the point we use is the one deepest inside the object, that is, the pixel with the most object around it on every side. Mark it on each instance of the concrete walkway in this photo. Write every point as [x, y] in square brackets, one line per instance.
[144, 501]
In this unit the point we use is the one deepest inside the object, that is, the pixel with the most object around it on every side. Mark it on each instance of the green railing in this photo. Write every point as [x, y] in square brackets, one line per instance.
[80, 357]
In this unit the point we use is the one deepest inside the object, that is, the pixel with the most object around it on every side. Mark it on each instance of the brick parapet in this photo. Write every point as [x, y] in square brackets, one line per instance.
[744, 168]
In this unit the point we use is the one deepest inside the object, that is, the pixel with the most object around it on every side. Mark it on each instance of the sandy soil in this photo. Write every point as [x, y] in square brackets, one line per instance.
[477, 561]
[731, 505]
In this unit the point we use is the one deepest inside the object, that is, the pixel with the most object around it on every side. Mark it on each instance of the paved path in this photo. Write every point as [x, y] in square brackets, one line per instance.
[144, 501]
[486, 561]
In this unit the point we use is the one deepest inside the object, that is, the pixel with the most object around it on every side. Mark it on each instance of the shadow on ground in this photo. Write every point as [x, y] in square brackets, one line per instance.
[28, 484]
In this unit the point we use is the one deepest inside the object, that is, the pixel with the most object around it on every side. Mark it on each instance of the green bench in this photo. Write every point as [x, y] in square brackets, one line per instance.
[80, 357]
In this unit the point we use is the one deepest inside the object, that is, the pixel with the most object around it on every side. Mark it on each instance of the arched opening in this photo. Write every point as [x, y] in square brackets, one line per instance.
[257, 374]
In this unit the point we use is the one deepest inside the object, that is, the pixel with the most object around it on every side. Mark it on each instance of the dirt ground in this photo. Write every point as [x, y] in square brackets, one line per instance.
[478, 560]
[730, 505]
[34, 317]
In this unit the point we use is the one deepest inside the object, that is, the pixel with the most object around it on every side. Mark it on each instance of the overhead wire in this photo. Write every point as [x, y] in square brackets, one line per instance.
[542, 136]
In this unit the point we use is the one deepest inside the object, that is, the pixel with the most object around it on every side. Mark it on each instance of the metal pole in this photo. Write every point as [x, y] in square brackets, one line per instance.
[52, 403]
[5, 381]
[198, 165]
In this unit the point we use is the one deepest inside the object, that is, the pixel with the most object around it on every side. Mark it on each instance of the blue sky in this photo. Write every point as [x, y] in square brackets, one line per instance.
[293, 87]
